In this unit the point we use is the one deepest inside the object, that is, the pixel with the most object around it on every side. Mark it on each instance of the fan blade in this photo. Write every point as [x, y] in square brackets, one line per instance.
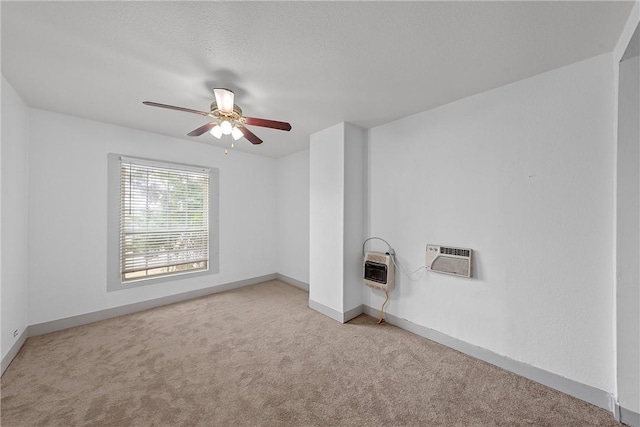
[273, 124]
[249, 135]
[173, 107]
[224, 100]
[202, 129]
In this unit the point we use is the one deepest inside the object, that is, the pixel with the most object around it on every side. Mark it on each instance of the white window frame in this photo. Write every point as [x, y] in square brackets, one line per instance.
[114, 277]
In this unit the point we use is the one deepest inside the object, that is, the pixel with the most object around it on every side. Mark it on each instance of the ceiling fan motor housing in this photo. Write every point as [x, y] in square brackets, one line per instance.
[236, 115]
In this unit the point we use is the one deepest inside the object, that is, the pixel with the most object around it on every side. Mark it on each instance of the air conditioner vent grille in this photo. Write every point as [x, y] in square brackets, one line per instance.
[449, 260]
[454, 251]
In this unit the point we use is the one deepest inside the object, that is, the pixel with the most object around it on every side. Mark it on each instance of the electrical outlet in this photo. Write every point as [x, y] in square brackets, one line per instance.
[15, 333]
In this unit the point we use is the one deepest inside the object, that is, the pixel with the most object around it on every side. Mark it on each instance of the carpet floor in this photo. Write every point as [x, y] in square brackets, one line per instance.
[257, 356]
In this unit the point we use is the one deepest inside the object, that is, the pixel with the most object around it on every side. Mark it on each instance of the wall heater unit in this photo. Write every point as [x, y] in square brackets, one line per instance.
[378, 271]
[448, 260]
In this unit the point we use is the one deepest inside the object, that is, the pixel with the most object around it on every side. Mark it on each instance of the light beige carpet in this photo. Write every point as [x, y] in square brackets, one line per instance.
[259, 356]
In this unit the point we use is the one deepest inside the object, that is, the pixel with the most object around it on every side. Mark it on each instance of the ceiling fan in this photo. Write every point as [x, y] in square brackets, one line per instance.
[227, 118]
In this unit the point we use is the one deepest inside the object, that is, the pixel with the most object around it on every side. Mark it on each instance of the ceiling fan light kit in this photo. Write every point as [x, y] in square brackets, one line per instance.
[236, 134]
[228, 118]
[224, 98]
[216, 131]
[226, 127]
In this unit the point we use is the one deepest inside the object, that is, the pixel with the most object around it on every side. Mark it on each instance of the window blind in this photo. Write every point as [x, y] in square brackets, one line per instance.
[164, 219]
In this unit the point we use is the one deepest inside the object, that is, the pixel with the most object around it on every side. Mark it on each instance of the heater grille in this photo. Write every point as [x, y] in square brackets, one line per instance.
[378, 271]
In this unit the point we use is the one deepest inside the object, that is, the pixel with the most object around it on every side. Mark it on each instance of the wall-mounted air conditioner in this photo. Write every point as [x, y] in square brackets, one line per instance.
[449, 260]
[378, 271]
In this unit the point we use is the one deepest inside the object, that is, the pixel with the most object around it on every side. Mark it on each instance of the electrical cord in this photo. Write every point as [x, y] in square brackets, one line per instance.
[402, 270]
[380, 320]
[392, 253]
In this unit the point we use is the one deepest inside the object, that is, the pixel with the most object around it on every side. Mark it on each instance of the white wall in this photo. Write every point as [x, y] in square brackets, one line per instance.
[326, 204]
[627, 220]
[14, 216]
[354, 212]
[292, 183]
[337, 204]
[628, 236]
[68, 213]
[524, 175]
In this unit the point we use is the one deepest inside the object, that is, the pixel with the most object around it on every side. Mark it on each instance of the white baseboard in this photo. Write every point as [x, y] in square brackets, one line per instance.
[15, 348]
[573, 388]
[323, 309]
[83, 319]
[334, 314]
[565, 385]
[352, 314]
[629, 417]
[293, 282]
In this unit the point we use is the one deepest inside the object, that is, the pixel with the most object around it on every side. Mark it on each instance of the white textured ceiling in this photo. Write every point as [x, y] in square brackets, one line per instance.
[313, 64]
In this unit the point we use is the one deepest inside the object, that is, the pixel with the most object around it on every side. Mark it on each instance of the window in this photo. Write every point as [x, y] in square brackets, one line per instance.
[165, 221]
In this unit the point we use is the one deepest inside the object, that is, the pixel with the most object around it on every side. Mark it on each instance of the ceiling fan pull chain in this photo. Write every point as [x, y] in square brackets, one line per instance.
[226, 140]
